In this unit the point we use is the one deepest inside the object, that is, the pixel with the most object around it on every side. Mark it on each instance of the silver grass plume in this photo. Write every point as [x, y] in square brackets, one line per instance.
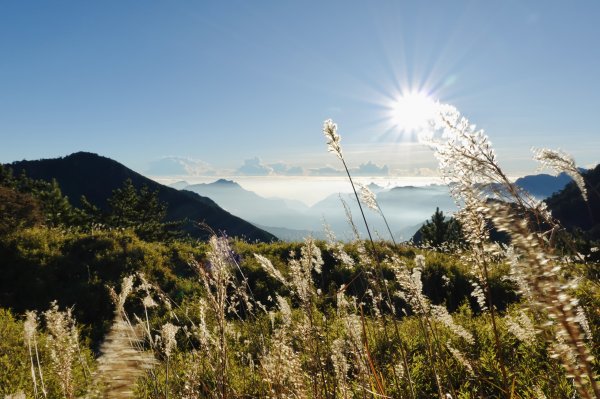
[281, 364]
[167, 334]
[368, 198]
[63, 345]
[521, 327]
[460, 358]
[333, 138]
[441, 314]
[559, 162]
[337, 249]
[267, 266]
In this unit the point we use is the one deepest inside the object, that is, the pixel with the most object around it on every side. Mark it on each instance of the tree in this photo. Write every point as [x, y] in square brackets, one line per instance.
[18, 210]
[140, 210]
[57, 208]
[441, 230]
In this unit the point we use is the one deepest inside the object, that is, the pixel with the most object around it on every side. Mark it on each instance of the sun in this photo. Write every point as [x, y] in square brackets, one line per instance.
[413, 111]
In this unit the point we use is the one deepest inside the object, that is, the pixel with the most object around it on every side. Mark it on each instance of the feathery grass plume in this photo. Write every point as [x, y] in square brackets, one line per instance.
[301, 270]
[29, 329]
[583, 322]
[280, 364]
[340, 366]
[441, 314]
[353, 339]
[217, 277]
[17, 395]
[516, 273]
[286, 311]
[282, 369]
[521, 327]
[63, 345]
[167, 335]
[560, 162]
[550, 295]
[337, 249]
[333, 138]
[412, 286]
[469, 165]
[270, 269]
[479, 296]
[460, 358]
[368, 198]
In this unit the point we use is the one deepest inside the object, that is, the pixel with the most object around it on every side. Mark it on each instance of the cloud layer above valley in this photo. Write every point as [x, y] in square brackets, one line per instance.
[184, 166]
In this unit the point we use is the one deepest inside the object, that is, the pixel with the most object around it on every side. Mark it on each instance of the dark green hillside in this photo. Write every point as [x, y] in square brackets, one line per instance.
[96, 177]
[573, 212]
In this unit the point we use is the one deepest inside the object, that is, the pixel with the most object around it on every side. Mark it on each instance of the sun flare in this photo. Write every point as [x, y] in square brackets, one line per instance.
[413, 111]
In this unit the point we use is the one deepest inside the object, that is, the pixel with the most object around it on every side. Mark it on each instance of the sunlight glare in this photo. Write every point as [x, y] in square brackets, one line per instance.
[413, 111]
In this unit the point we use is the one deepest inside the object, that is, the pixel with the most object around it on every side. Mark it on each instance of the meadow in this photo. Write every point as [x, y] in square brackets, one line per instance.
[141, 313]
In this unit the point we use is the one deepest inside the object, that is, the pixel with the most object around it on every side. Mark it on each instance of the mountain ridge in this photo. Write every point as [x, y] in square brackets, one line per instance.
[96, 176]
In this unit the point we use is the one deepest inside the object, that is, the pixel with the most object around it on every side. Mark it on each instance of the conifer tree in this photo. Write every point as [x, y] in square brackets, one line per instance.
[440, 230]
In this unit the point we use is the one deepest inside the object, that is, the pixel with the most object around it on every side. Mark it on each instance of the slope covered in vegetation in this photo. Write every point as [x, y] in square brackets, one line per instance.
[96, 177]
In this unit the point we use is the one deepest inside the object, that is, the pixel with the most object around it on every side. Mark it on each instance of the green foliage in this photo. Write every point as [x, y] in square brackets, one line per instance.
[15, 366]
[27, 202]
[18, 355]
[73, 267]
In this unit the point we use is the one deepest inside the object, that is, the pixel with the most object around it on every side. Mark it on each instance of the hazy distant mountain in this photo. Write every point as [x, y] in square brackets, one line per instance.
[96, 177]
[252, 207]
[179, 185]
[286, 234]
[407, 233]
[543, 185]
[405, 208]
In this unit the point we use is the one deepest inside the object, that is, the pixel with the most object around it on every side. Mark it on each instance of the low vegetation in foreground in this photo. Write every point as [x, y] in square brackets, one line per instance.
[112, 303]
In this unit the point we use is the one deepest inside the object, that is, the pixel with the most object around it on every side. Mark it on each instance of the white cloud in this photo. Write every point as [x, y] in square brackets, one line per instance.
[179, 166]
[281, 168]
[325, 171]
[254, 167]
[370, 169]
[366, 169]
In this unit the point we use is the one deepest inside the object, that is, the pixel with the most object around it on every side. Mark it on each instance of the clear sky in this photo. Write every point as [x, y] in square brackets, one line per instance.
[216, 85]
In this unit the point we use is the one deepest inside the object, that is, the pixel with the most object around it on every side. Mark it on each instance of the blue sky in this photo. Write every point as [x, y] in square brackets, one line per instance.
[214, 85]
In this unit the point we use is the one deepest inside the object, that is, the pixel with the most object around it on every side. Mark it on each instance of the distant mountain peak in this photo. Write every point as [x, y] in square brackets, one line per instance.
[374, 186]
[225, 182]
